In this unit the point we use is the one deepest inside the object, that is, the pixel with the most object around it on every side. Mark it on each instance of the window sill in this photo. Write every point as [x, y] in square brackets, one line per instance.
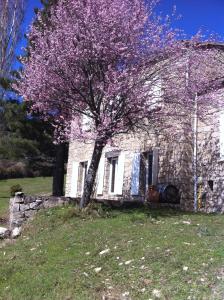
[114, 195]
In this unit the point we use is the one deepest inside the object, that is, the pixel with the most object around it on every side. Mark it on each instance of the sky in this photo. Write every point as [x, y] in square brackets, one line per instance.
[206, 14]
[195, 14]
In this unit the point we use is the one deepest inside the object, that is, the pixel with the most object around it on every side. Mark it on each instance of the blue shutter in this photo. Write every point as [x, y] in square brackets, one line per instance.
[135, 174]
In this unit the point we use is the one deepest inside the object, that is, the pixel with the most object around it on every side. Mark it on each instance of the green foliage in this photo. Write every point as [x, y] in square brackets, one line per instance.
[13, 169]
[25, 138]
[15, 188]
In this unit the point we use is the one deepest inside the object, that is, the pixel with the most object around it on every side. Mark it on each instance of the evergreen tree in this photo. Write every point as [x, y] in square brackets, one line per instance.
[61, 150]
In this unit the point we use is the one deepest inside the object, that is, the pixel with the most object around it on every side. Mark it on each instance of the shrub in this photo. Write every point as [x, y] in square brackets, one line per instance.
[3, 174]
[15, 188]
[18, 170]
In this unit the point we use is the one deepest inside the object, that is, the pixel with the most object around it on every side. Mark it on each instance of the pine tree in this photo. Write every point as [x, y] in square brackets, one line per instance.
[61, 150]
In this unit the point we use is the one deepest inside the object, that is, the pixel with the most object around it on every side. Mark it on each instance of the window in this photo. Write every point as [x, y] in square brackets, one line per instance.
[83, 173]
[150, 168]
[113, 174]
[152, 161]
[115, 171]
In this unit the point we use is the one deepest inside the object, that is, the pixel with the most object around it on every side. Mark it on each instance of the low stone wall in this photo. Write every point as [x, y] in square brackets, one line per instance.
[23, 207]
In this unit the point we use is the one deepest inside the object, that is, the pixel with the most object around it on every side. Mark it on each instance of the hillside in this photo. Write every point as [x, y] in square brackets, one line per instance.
[137, 253]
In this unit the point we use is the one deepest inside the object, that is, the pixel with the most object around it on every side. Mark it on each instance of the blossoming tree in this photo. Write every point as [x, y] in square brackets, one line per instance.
[97, 65]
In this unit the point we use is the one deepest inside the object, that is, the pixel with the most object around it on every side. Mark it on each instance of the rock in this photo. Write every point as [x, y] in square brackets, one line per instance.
[97, 270]
[38, 200]
[19, 194]
[104, 252]
[17, 222]
[128, 262]
[29, 199]
[24, 207]
[15, 207]
[35, 205]
[18, 199]
[18, 215]
[29, 213]
[16, 232]
[156, 293]
[50, 204]
[4, 232]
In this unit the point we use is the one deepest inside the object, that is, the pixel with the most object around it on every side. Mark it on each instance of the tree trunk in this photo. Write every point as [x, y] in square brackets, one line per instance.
[58, 173]
[91, 174]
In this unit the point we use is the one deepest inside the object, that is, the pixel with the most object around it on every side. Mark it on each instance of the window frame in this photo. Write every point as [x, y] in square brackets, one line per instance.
[113, 159]
[84, 169]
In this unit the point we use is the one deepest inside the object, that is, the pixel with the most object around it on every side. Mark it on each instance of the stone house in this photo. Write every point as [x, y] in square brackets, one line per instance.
[193, 162]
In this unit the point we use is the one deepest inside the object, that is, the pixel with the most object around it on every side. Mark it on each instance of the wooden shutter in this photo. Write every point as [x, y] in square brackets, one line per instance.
[74, 179]
[221, 134]
[135, 174]
[120, 174]
[100, 176]
[155, 166]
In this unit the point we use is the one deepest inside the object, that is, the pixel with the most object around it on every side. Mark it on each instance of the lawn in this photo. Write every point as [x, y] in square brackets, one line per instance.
[138, 253]
[31, 186]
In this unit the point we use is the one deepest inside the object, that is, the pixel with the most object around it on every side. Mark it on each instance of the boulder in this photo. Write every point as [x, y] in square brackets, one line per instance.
[16, 232]
[24, 207]
[36, 205]
[4, 232]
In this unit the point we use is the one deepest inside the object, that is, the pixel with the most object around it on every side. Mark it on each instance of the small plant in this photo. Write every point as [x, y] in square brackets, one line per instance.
[15, 188]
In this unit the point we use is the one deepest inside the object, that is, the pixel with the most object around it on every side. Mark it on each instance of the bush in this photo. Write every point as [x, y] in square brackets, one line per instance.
[15, 188]
[19, 170]
[2, 173]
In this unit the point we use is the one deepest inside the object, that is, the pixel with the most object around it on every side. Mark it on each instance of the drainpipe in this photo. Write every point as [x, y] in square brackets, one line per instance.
[195, 140]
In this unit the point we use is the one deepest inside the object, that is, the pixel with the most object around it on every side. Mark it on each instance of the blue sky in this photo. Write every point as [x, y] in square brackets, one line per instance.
[206, 14]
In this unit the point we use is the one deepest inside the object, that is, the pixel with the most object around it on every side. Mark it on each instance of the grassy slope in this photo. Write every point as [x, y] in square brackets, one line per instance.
[31, 186]
[56, 256]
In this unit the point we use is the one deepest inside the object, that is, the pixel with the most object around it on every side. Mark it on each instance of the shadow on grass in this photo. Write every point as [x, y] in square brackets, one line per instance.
[137, 210]
[151, 212]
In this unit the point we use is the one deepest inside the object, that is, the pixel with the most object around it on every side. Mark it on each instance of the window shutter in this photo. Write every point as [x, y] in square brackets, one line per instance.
[135, 174]
[120, 174]
[155, 166]
[100, 176]
[221, 134]
[74, 179]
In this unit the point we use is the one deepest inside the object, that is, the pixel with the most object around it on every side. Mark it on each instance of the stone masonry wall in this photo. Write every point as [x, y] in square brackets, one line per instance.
[23, 207]
[175, 164]
[210, 165]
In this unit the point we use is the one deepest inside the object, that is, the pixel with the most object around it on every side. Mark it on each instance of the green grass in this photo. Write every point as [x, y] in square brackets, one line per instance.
[31, 186]
[180, 255]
